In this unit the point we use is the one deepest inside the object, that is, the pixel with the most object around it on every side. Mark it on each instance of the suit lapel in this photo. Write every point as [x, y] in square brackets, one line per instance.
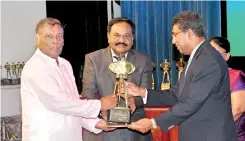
[108, 61]
[184, 78]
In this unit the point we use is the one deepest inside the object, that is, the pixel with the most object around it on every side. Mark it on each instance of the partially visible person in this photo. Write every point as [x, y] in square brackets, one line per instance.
[201, 101]
[237, 86]
[51, 106]
[99, 81]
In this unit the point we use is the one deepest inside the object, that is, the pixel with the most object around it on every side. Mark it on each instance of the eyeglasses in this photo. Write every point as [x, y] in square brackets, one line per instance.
[176, 33]
[127, 37]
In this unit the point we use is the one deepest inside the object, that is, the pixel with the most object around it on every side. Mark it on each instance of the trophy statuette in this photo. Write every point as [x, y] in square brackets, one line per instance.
[180, 65]
[15, 78]
[165, 79]
[120, 115]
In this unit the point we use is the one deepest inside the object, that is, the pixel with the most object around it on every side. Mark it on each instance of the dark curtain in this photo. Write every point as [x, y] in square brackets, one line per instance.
[153, 20]
[85, 29]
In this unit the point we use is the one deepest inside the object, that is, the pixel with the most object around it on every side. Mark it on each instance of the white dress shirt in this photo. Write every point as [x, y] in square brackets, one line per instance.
[113, 54]
[192, 55]
[51, 108]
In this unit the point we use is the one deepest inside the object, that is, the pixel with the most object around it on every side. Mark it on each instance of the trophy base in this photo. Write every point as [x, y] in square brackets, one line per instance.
[118, 115]
[117, 125]
[165, 86]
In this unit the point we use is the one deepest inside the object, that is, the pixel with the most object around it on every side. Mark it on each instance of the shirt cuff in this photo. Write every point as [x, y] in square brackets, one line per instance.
[145, 97]
[96, 130]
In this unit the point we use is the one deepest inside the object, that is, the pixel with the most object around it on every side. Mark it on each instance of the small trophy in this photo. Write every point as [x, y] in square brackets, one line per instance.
[7, 67]
[15, 79]
[18, 66]
[153, 64]
[120, 115]
[22, 66]
[166, 79]
[180, 65]
[3, 131]
[8, 80]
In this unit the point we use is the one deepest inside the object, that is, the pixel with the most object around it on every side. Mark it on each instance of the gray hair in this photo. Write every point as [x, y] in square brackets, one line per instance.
[190, 20]
[50, 22]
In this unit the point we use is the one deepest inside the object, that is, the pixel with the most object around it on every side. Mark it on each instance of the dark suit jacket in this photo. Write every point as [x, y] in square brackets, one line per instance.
[201, 102]
[99, 81]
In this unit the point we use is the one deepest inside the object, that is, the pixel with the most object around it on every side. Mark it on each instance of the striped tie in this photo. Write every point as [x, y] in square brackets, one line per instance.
[117, 57]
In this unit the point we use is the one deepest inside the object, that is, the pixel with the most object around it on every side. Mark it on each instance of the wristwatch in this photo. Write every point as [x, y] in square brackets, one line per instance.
[154, 123]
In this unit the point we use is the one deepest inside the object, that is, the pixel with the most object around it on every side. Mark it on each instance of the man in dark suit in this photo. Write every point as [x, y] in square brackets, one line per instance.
[99, 81]
[201, 102]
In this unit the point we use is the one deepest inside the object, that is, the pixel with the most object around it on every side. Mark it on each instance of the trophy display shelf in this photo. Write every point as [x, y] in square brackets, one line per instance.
[12, 72]
[158, 134]
[10, 86]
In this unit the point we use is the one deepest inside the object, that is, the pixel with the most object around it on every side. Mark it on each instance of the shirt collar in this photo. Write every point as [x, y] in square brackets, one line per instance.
[47, 58]
[194, 50]
[113, 54]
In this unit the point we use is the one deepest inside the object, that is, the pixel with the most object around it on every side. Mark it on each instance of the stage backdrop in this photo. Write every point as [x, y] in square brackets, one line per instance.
[153, 28]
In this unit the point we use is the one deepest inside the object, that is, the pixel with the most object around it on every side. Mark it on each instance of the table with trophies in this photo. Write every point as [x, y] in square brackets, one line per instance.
[152, 112]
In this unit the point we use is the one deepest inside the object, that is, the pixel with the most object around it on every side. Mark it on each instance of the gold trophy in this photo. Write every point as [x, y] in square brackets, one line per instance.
[120, 115]
[165, 79]
[8, 80]
[18, 66]
[180, 65]
[15, 78]
[153, 64]
[7, 67]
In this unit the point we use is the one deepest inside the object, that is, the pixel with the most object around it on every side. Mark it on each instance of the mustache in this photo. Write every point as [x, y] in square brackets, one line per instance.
[121, 44]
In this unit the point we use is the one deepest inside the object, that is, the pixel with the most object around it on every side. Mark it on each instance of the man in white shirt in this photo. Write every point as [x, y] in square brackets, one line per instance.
[201, 102]
[51, 107]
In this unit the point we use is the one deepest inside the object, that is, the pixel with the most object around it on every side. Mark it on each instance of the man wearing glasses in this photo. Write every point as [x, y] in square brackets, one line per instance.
[201, 101]
[99, 81]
